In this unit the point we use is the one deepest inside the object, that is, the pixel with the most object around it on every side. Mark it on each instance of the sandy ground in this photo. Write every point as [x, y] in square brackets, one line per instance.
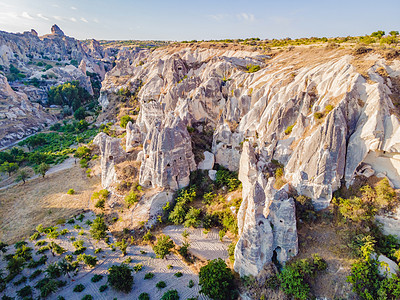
[106, 259]
[205, 246]
[44, 200]
[8, 182]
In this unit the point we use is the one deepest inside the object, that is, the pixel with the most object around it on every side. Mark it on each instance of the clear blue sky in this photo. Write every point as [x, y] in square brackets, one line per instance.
[187, 20]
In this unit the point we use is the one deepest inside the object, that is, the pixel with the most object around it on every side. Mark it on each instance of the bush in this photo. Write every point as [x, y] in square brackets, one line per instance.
[79, 288]
[138, 267]
[149, 275]
[178, 274]
[98, 228]
[163, 246]
[289, 129]
[318, 115]
[125, 120]
[191, 283]
[89, 260]
[144, 296]
[216, 280]
[192, 218]
[103, 288]
[252, 68]
[161, 285]
[147, 236]
[131, 198]
[294, 277]
[170, 295]
[71, 192]
[25, 292]
[120, 278]
[101, 203]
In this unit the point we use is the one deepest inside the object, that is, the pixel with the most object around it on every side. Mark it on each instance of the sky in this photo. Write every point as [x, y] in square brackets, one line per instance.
[200, 20]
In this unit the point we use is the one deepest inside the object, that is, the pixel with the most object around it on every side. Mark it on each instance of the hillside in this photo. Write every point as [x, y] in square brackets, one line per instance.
[288, 151]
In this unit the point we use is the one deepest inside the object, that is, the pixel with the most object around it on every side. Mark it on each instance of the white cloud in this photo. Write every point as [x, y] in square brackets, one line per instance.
[27, 16]
[84, 20]
[73, 19]
[219, 17]
[96, 20]
[73, 8]
[58, 18]
[246, 17]
[43, 17]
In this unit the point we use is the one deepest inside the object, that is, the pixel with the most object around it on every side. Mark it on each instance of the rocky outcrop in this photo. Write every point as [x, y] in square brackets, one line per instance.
[266, 220]
[18, 116]
[111, 154]
[56, 30]
[167, 156]
[316, 115]
[133, 136]
[208, 162]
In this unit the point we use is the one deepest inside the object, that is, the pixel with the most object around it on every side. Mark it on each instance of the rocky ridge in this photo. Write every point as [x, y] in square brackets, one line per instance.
[312, 111]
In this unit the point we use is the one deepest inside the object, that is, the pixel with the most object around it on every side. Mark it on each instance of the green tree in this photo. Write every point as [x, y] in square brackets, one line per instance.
[379, 34]
[120, 278]
[216, 280]
[80, 113]
[8, 167]
[22, 176]
[123, 246]
[394, 33]
[42, 169]
[163, 246]
[98, 228]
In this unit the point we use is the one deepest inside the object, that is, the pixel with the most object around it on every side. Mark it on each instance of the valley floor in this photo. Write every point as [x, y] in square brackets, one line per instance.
[44, 201]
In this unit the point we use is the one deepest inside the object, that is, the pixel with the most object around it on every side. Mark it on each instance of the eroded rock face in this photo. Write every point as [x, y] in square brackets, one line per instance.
[111, 154]
[18, 116]
[266, 220]
[167, 156]
[133, 136]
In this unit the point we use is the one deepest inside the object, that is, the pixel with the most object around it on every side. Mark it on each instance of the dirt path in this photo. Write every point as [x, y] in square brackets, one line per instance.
[44, 200]
[205, 246]
[66, 164]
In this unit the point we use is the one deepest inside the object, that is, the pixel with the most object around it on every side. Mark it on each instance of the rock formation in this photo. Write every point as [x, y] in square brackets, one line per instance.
[167, 156]
[321, 117]
[111, 154]
[18, 116]
[266, 220]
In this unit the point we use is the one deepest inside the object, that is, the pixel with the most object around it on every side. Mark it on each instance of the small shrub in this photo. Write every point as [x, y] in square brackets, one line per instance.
[191, 283]
[144, 296]
[160, 285]
[35, 274]
[103, 288]
[138, 267]
[170, 295]
[131, 198]
[178, 274]
[148, 275]
[318, 115]
[328, 108]
[147, 236]
[252, 68]
[79, 288]
[89, 260]
[96, 278]
[289, 129]
[169, 267]
[71, 192]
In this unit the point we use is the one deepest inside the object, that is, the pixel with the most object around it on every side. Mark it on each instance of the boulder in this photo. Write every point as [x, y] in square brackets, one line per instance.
[208, 162]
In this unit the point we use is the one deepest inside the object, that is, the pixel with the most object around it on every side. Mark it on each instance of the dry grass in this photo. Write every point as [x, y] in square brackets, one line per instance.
[43, 201]
[322, 238]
